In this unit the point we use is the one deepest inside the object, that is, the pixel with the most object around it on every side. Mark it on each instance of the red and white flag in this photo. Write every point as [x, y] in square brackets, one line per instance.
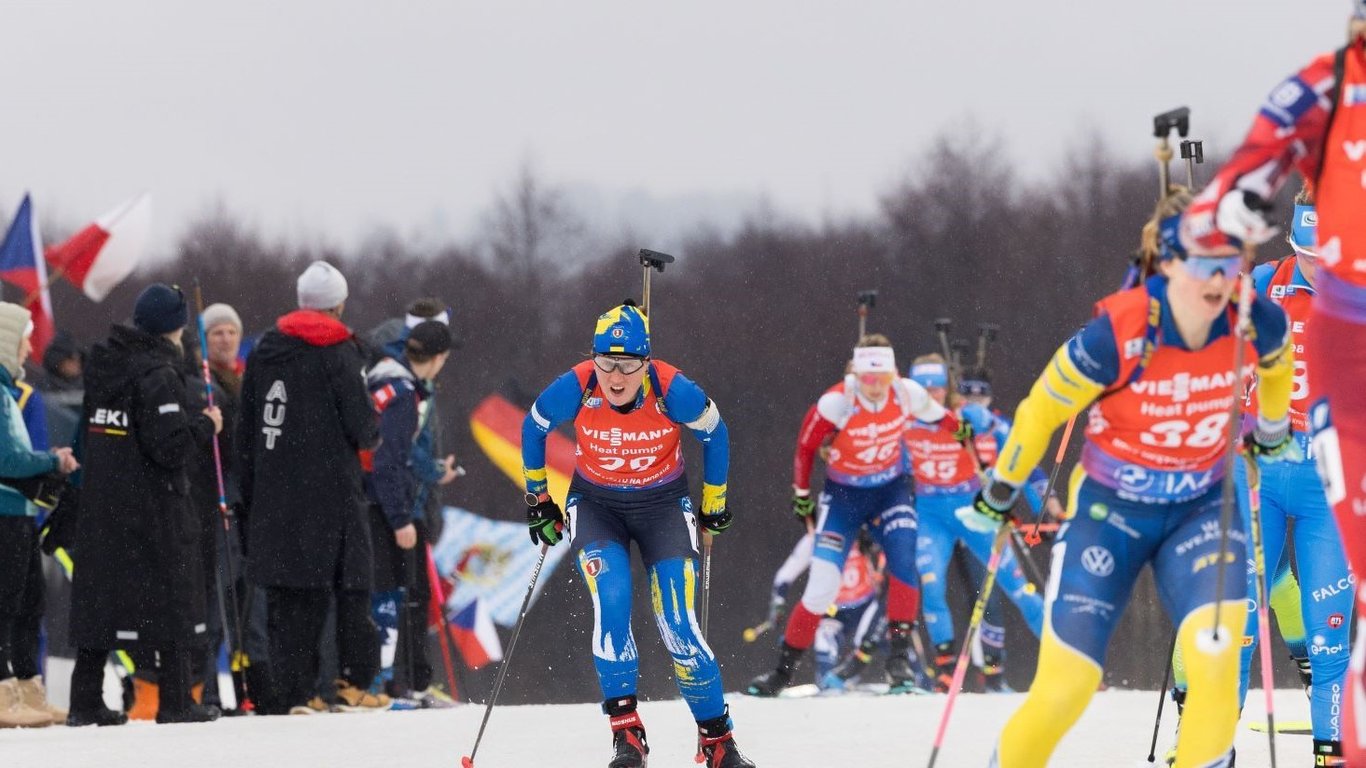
[101, 255]
[21, 265]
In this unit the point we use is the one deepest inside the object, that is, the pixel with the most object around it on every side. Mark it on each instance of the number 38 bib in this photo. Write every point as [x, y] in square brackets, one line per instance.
[1161, 436]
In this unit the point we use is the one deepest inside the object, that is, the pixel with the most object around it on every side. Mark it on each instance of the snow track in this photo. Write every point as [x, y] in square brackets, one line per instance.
[862, 731]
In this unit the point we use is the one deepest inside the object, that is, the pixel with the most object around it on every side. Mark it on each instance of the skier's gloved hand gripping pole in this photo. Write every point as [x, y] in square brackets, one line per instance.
[239, 660]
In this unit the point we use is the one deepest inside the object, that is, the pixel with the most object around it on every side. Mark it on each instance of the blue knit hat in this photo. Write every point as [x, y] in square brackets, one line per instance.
[623, 330]
[160, 309]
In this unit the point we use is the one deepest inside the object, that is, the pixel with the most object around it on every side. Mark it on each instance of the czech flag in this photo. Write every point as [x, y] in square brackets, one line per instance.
[476, 636]
[22, 266]
[101, 255]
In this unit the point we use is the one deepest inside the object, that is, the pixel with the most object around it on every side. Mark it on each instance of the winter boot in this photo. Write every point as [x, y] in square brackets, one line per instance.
[628, 733]
[353, 699]
[14, 713]
[101, 717]
[194, 713]
[944, 660]
[772, 682]
[1328, 753]
[994, 674]
[716, 745]
[146, 699]
[35, 696]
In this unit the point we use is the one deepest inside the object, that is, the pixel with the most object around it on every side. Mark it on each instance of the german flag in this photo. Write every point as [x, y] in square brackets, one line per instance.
[497, 427]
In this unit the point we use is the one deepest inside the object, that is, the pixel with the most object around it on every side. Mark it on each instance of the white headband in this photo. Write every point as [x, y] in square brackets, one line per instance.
[874, 360]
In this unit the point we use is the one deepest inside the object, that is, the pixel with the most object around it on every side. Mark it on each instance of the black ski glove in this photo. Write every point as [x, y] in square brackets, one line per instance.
[995, 501]
[546, 522]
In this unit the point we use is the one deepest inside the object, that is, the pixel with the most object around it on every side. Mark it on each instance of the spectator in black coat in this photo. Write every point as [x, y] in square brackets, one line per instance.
[139, 579]
[305, 417]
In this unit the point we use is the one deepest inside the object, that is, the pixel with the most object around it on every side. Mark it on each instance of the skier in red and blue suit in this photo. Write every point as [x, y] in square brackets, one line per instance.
[1314, 122]
[865, 484]
[629, 485]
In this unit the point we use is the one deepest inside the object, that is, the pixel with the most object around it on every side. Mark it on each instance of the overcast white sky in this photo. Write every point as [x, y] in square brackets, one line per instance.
[337, 117]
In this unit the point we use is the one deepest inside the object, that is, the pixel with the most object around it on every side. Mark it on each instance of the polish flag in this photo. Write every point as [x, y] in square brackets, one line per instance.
[476, 636]
[101, 255]
[22, 265]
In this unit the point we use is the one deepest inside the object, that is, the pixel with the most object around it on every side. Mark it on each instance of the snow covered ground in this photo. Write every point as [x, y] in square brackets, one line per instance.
[861, 731]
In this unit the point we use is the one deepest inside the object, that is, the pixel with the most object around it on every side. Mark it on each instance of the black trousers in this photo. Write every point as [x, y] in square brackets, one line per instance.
[412, 630]
[173, 678]
[295, 619]
[21, 597]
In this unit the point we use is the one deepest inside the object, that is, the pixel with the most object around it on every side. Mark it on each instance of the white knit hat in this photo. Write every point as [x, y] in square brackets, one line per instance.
[321, 286]
[221, 314]
[15, 324]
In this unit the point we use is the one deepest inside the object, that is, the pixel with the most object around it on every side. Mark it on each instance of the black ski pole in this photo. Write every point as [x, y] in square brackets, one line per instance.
[1162, 697]
[468, 760]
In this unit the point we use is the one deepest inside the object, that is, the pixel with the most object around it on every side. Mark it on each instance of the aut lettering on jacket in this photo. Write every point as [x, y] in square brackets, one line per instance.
[273, 413]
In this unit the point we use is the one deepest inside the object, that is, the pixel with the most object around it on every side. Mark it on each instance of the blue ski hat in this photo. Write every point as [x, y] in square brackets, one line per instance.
[930, 375]
[623, 330]
[1304, 231]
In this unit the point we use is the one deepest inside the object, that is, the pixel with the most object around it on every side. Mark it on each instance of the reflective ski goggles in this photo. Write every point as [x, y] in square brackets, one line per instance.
[874, 377]
[1206, 267]
[626, 365]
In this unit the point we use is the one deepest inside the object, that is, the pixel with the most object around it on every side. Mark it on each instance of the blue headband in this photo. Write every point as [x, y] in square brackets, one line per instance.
[930, 375]
[1169, 239]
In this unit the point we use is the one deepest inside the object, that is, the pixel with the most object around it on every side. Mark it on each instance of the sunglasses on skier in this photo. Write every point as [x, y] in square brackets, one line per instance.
[627, 365]
[1205, 267]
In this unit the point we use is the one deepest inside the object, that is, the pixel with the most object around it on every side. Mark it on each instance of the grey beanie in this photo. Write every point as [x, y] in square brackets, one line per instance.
[15, 323]
[321, 286]
[221, 314]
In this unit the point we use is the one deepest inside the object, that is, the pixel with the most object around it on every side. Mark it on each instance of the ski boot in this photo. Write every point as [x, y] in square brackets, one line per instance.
[944, 661]
[772, 682]
[716, 747]
[902, 674]
[837, 679]
[994, 675]
[1179, 699]
[1328, 753]
[628, 733]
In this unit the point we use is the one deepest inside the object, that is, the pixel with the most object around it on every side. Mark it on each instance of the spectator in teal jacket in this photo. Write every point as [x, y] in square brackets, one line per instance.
[23, 700]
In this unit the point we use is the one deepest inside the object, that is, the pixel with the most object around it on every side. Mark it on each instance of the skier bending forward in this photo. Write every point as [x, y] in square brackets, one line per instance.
[629, 485]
